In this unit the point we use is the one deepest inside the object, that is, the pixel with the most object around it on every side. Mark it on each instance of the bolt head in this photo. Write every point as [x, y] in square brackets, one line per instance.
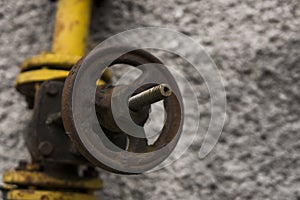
[52, 90]
[45, 148]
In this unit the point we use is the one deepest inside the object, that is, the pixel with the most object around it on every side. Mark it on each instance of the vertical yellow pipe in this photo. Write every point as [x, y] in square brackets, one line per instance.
[71, 27]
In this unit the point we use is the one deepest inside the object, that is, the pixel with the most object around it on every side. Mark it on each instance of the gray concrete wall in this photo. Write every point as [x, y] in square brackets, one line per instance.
[256, 45]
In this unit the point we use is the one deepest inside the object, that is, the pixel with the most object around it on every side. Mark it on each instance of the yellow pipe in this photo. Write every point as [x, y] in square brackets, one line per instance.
[41, 75]
[25, 194]
[71, 27]
[69, 45]
[41, 179]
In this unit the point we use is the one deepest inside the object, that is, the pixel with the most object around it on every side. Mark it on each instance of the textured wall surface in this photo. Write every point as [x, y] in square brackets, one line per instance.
[256, 45]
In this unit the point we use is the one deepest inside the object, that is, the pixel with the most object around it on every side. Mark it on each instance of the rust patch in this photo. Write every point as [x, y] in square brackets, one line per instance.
[73, 24]
[168, 133]
[44, 197]
[59, 27]
[28, 179]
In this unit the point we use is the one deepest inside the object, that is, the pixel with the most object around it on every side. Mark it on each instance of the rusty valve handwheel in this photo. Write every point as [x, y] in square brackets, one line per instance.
[92, 114]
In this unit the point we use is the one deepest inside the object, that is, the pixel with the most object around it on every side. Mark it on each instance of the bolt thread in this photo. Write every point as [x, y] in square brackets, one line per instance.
[149, 96]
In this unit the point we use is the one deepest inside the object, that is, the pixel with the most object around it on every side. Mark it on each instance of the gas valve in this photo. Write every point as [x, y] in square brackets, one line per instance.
[106, 121]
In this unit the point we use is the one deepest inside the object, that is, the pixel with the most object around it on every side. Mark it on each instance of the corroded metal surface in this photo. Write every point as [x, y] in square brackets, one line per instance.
[23, 194]
[40, 179]
[150, 96]
[51, 150]
[46, 139]
[136, 145]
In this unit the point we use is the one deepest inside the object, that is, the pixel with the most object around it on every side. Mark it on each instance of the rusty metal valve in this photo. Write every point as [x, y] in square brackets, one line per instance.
[106, 121]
